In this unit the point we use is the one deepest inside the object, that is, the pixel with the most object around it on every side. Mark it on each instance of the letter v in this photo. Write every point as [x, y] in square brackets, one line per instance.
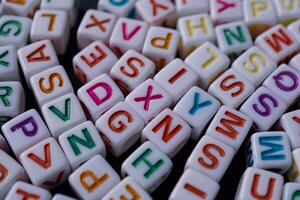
[127, 36]
[63, 116]
[43, 163]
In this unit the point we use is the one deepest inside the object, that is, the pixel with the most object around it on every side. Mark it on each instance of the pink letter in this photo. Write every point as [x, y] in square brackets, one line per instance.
[93, 95]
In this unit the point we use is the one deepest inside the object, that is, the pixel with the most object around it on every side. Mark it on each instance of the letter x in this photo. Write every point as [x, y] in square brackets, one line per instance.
[99, 24]
[148, 98]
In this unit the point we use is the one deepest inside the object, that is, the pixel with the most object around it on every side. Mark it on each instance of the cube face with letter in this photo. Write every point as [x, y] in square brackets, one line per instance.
[91, 182]
[161, 45]
[278, 43]
[93, 61]
[257, 184]
[53, 25]
[195, 30]
[24, 131]
[81, 143]
[37, 57]
[156, 12]
[62, 114]
[20, 8]
[270, 151]
[120, 128]
[148, 166]
[192, 107]
[287, 11]
[9, 69]
[46, 164]
[168, 132]
[12, 102]
[259, 16]
[95, 25]
[194, 185]
[291, 191]
[210, 157]
[99, 95]
[14, 30]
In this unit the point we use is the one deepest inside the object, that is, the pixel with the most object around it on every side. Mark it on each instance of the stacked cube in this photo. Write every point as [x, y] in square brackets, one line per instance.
[237, 72]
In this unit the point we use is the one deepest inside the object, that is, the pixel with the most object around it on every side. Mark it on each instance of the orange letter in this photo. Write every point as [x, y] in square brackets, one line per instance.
[96, 59]
[52, 21]
[168, 134]
[276, 39]
[3, 172]
[27, 196]
[38, 55]
[44, 163]
[255, 186]
[156, 42]
[52, 78]
[156, 6]
[135, 72]
[238, 84]
[97, 182]
[134, 194]
[122, 125]
[177, 76]
[227, 123]
[195, 191]
[215, 162]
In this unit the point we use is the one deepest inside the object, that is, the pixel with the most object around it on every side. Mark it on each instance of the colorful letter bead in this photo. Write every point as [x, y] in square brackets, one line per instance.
[50, 84]
[259, 15]
[9, 69]
[231, 88]
[168, 132]
[37, 57]
[99, 95]
[197, 107]
[93, 61]
[94, 179]
[278, 43]
[213, 62]
[290, 122]
[194, 31]
[20, 8]
[120, 128]
[12, 100]
[14, 30]
[259, 184]
[81, 143]
[21, 190]
[95, 25]
[210, 157]
[120, 8]
[148, 99]
[62, 197]
[264, 107]
[224, 11]
[270, 151]
[3, 144]
[156, 12]
[67, 5]
[46, 164]
[24, 131]
[128, 34]
[148, 166]
[233, 38]
[295, 62]
[185, 8]
[161, 45]
[285, 82]
[293, 173]
[131, 70]
[291, 191]
[128, 188]
[230, 126]
[176, 78]
[10, 171]
[255, 65]
[51, 24]
[62, 114]
[287, 11]
[193, 185]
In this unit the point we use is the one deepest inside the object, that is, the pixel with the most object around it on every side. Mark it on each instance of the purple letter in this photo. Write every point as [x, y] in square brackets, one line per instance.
[262, 99]
[23, 125]
[279, 80]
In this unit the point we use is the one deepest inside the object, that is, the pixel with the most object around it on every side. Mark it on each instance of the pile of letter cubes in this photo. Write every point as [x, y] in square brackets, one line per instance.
[156, 73]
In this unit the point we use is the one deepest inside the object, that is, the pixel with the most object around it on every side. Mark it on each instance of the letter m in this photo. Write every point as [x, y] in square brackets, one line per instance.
[274, 148]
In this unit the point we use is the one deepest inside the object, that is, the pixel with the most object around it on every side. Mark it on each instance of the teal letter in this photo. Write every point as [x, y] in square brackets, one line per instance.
[88, 142]
[272, 152]
[197, 105]
[63, 116]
